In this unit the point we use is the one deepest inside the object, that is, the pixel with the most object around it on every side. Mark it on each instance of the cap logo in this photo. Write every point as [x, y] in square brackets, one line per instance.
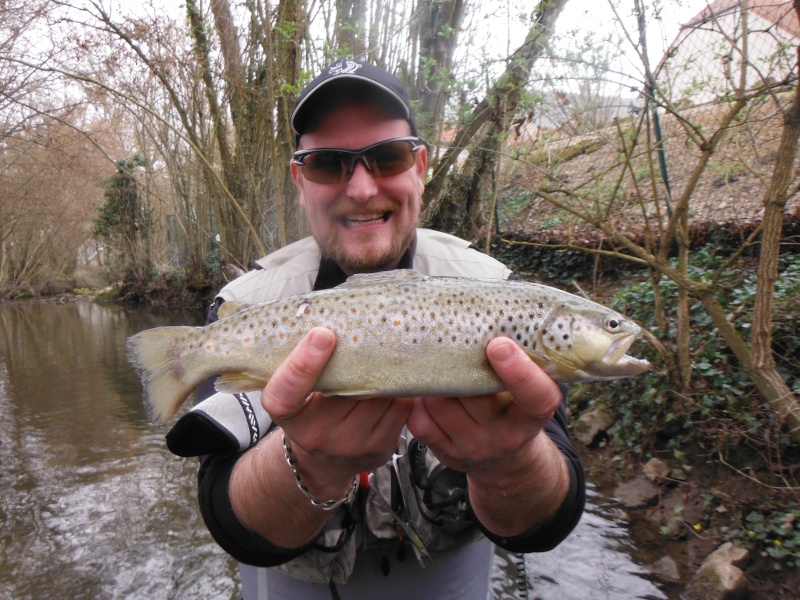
[345, 66]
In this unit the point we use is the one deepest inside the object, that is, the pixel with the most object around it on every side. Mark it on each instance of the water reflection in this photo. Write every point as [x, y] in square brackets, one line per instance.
[94, 506]
[595, 561]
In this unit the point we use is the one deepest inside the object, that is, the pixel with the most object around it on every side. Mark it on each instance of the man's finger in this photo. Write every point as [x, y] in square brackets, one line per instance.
[294, 379]
[522, 377]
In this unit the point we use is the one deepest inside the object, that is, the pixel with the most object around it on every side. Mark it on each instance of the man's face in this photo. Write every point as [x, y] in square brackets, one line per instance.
[364, 224]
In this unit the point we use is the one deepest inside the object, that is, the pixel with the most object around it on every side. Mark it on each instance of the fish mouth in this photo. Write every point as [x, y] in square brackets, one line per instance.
[616, 363]
[616, 351]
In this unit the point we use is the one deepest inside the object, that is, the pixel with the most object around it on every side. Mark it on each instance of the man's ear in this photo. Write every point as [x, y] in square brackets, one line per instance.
[299, 182]
[421, 165]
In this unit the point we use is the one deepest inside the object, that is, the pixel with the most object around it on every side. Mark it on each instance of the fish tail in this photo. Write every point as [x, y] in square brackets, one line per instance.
[165, 380]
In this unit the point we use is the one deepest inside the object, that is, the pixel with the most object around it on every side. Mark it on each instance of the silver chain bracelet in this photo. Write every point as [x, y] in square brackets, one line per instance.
[327, 504]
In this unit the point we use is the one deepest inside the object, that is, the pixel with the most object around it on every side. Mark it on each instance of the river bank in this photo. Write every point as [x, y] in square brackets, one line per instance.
[681, 515]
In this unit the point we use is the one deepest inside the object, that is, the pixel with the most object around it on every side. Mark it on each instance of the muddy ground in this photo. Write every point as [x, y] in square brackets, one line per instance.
[684, 541]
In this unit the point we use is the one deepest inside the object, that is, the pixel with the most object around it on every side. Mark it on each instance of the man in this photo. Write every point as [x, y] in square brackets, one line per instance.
[336, 494]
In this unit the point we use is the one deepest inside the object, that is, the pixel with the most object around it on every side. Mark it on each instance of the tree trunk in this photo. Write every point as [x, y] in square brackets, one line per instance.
[458, 209]
[774, 206]
[229, 214]
[288, 61]
[439, 26]
[767, 380]
[763, 362]
[260, 102]
[350, 36]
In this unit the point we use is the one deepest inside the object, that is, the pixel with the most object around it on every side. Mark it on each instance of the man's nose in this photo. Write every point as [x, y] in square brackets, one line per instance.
[361, 184]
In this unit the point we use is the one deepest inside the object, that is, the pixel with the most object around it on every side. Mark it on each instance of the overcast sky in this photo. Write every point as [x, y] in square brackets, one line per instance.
[595, 15]
[582, 17]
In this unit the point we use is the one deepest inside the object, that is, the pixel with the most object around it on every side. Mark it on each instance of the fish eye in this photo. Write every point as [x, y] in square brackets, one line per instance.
[613, 323]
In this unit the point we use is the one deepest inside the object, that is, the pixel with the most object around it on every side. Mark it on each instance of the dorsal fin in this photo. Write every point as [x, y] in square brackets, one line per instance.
[230, 308]
[382, 278]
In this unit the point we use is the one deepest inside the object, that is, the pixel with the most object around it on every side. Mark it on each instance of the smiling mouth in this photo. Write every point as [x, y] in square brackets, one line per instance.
[363, 220]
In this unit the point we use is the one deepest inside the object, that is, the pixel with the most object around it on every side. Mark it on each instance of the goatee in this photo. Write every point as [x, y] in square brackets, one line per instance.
[369, 257]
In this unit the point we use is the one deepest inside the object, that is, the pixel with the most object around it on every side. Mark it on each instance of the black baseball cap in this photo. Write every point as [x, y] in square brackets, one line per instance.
[349, 76]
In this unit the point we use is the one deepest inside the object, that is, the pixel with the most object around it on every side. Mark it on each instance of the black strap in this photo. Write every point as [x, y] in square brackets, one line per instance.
[334, 592]
[250, 415]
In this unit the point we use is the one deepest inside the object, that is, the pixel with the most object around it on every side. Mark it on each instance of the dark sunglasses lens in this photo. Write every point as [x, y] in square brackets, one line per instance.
[325, 166]
[385, 160]
[391, 158]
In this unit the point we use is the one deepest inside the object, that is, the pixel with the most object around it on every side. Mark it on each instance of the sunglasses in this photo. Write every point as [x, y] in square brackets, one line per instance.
[335, 165]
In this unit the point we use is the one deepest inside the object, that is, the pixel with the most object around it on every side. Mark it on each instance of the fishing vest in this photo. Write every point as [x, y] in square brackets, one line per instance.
[293, 269]
[428, 496]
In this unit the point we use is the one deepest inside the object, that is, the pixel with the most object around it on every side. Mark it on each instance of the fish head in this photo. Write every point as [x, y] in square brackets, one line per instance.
[590, 344]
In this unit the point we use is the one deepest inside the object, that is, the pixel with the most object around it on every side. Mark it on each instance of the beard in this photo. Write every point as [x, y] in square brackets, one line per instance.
[371, 254]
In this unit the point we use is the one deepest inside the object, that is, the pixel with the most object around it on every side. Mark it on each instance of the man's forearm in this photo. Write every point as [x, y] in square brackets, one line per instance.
[265, 497]
[525, 495]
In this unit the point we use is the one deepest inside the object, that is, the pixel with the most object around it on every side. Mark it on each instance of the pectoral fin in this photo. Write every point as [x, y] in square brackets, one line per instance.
[355, 394]
[558, 367]
[537, 357]
[239, 381]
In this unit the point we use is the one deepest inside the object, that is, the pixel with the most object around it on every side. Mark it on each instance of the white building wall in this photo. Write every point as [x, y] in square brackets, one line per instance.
[706, 59]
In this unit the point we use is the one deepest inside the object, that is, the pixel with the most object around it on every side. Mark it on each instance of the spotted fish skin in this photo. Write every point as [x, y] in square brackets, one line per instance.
[399, 334]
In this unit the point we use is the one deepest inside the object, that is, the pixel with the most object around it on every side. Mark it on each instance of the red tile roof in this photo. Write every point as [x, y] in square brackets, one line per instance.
[779, 12]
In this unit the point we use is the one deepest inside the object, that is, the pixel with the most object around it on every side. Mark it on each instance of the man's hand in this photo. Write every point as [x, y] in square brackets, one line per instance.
[496, 441]
[333, 439]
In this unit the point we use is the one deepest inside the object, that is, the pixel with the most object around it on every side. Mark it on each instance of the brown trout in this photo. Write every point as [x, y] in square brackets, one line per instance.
[399, 334]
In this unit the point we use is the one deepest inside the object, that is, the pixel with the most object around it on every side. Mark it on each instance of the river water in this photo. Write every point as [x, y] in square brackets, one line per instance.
[92, 504]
